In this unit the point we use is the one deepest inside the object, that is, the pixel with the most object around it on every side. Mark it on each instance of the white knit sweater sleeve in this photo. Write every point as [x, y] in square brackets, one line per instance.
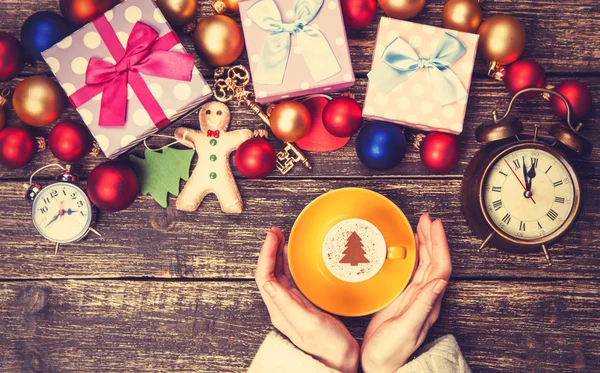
[279, 355]
[440, 356]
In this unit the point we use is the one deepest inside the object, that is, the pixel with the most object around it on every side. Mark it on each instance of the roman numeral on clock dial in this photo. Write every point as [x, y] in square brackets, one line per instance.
[552, 215]
[522, 226]
[506, 218]
[497, 204]
[558, 183]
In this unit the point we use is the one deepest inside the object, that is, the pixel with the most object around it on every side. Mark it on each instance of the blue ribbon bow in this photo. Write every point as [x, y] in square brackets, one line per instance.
[400, 62]
[276, 48]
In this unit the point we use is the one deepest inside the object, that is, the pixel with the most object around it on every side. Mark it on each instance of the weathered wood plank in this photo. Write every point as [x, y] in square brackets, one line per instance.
[486, 95]
[146, 240]
[561, 34]
[148, 326]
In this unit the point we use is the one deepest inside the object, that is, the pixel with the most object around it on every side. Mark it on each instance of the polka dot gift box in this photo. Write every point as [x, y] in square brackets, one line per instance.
[420, 76]
[127, 75]
[295, 47]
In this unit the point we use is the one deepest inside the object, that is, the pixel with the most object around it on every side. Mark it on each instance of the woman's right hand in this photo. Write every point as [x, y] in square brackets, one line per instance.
[396, 332]
[310, 329]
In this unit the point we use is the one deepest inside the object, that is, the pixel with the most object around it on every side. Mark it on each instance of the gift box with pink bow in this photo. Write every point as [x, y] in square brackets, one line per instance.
[296, 47]
[127, 75]
[420, 76]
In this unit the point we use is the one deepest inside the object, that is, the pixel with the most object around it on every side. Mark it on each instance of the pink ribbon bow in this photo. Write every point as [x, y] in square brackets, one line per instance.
[211, 133]
[145, 53]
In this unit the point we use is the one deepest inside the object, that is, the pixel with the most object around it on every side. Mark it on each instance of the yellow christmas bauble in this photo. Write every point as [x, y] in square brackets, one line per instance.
[462, 15]
[290, 121]
[402, 9]
[501, 39]
[178, 12]
[218, 40]
[38, 101]
[232, 5]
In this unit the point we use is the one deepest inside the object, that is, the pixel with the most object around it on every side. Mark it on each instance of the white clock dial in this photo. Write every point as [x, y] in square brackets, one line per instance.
[61, 212]
[528, 194]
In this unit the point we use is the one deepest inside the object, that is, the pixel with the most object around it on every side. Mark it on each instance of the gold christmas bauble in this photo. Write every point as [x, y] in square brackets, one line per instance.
[462, 15]
[501, 39]
[218, 40]
[402, 9]
[38, 101]
[232, 5]
[290, 121]
[178, 12]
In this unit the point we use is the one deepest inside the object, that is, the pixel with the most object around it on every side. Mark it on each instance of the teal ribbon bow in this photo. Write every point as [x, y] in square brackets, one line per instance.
[275, 51]
[400, 62]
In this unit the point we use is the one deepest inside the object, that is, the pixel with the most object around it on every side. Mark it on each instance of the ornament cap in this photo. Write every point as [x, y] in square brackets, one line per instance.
[4, 96]
[499, 130]
[189, 28]
[41, 143]
[219, 6]
[571, 139]
[493, 69]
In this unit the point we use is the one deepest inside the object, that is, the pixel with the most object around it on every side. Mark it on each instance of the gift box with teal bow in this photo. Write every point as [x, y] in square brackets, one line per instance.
[296, 47]
[420, 76]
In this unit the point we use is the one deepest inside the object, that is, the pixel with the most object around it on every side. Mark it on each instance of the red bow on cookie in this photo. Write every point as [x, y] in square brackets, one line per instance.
[211, 133]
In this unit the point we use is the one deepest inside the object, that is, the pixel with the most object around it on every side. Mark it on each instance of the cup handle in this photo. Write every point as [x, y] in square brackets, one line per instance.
[396, 252]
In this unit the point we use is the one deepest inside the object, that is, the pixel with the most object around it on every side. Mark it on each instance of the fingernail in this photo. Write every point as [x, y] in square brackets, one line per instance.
[270, 289]
[439, 287]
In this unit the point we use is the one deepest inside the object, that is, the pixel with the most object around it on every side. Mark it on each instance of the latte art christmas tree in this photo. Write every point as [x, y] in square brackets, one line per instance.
[355, 252]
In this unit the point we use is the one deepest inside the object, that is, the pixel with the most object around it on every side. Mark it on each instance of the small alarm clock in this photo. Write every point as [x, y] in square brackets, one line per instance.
[521, 193]
[61, 211]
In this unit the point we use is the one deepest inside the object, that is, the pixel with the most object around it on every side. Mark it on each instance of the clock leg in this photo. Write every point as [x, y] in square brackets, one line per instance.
[547, 255]
[56, 248]
[485, 242]
[95, 232]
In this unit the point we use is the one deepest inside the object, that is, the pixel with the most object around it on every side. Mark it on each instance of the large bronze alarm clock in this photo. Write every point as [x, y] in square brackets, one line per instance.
[520, 193]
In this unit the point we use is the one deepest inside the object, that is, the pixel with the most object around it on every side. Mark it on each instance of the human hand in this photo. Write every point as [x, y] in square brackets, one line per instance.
[396, 331]
[310, 329]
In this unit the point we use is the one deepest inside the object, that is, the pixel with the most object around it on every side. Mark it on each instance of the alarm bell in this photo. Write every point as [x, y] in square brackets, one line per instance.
[499, 130]
[571, 139]
[509, 125]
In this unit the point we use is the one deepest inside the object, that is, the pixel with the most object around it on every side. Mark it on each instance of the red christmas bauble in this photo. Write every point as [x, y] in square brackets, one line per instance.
[578, 96]
[17, 147]
[112, 186]
[358, 14]
[81, 12]
[12, 57]
[440, 152]
[342, 116]
[523, 74]
[255, 158]
[69, 141]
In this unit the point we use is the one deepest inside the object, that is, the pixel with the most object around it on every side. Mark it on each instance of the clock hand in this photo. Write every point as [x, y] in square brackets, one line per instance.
[55, 218]
[525, 175]
[69, 211]
[520, 182]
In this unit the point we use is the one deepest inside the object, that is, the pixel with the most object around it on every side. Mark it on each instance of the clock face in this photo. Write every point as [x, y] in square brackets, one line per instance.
[528, 194]
[61, 212]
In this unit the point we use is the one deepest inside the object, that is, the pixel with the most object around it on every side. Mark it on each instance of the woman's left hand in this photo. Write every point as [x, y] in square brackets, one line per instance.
[310, 329]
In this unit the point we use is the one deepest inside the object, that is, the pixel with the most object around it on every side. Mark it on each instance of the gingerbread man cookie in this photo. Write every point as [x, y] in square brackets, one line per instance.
[212, 174]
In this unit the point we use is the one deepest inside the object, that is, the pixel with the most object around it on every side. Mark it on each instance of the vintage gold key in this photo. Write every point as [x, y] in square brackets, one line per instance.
[230, 83]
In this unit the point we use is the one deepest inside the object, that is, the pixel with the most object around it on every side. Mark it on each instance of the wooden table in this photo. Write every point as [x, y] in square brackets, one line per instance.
[164, 290]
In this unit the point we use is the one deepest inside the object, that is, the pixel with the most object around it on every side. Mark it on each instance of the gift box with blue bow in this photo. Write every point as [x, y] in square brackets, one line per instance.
[420, 76]
[296, 47]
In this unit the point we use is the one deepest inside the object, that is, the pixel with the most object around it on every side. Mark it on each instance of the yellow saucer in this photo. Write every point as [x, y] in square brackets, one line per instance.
[308, 268]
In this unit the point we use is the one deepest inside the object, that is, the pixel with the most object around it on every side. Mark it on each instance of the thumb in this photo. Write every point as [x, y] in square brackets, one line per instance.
[288, 305]
[418, 312]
